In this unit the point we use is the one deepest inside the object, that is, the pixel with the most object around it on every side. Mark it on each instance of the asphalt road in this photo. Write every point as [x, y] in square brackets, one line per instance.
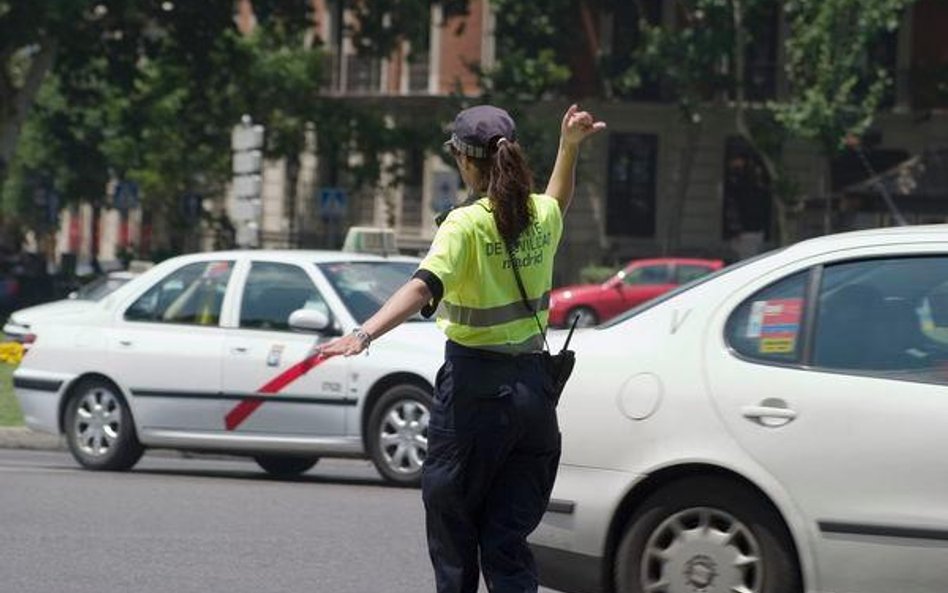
[206, 526]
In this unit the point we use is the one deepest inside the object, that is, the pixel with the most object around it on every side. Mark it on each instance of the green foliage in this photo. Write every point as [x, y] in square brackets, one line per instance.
[835, 89]
[533, 53]
[10, 414]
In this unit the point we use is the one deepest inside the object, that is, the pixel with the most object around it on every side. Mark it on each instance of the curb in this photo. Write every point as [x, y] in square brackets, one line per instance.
[20, 437]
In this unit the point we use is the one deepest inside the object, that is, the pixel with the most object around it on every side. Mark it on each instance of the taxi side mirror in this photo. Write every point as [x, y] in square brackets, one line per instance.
[310, 320]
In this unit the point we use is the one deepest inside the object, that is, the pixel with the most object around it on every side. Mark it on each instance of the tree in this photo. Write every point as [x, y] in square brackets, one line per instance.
[149, 92]
[834, 87]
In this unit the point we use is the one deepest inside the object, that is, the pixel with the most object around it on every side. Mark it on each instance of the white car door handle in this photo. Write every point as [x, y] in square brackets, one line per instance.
[769, 413]
[125, 343]
[238, 350]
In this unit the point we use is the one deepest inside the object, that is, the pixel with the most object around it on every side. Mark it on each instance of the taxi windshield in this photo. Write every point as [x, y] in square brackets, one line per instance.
[365, 286]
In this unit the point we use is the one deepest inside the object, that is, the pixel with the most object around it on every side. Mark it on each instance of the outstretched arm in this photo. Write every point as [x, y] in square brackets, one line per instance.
[576, 126]
[407, 301]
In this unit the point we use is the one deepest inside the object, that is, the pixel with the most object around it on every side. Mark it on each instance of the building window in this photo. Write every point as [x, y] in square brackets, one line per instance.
[760, 56]
[747, 192]
[626, 38]
[630, 202]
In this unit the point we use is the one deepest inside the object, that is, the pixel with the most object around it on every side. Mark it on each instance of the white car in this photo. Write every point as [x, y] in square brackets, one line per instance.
[20, 321]
[777, 427]
[200, 353]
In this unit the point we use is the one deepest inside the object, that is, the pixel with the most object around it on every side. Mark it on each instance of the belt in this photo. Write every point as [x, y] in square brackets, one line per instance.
[452, 348]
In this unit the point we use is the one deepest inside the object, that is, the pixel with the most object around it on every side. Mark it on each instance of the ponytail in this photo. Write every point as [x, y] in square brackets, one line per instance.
[509, 189]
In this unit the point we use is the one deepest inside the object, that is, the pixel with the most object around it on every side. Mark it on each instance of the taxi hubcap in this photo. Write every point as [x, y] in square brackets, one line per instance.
[404, 436]
[702, 550]
[98, 422]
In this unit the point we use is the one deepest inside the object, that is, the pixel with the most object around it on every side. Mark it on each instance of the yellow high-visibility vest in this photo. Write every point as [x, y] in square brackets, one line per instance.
[481, 306]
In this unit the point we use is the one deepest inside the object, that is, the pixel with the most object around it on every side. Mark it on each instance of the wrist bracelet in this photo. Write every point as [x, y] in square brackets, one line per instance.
[363, 337]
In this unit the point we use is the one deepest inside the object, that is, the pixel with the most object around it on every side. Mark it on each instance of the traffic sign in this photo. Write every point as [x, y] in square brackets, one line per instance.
[125, 195]
[248, 186]
[246, 138]
[333, 203]
[445, 184]
[249, 162]
[246, 209]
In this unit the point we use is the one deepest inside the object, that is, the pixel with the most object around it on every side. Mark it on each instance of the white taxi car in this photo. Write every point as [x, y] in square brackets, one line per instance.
[214, 352]
[780, 426]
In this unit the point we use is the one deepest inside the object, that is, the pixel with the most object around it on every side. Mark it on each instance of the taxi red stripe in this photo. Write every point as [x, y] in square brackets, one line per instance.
[246, 407]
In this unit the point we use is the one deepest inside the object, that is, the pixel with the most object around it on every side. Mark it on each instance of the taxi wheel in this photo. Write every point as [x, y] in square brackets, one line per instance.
[99, 427]
[706, 534]
[285, 467]
[585, 317]
[398, 433]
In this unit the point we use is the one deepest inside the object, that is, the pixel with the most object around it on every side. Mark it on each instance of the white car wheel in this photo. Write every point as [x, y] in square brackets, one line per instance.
[398, 433]
[99, 427]
[709, 535]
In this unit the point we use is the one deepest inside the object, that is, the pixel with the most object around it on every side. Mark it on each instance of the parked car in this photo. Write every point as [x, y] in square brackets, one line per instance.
[637, 282]
[18, 325]
[213, 352]
[777, 427]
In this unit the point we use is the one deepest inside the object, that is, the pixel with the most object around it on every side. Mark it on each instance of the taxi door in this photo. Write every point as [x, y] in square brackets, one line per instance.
[267, 390]
[166, 347]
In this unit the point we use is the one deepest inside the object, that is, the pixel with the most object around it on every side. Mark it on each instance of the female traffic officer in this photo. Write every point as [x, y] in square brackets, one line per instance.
[493, 440]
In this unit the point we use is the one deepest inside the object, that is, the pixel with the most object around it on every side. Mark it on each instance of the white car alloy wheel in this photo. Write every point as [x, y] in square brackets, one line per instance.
[702, 549]
[404, 436]
[398, 442]
[706, 534]
[99, 428]
[98, 421]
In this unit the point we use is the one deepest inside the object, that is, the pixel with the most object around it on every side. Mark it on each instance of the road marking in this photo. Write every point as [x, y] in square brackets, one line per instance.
[248, 406]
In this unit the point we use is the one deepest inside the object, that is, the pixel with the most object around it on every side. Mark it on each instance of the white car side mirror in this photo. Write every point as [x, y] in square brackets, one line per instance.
[310, 320]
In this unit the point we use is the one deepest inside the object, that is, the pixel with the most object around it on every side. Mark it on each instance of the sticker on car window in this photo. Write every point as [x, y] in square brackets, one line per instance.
[776, 322]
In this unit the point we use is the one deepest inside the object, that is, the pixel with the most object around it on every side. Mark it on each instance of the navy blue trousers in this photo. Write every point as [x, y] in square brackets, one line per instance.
[493, 450]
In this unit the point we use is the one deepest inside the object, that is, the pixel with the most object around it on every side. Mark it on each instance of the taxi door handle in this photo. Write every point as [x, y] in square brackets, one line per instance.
[770, 412]
[125, 343]
[239, 350]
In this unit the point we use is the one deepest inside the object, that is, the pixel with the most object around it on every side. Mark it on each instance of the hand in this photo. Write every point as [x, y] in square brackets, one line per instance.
[578, 125]
[348, 345]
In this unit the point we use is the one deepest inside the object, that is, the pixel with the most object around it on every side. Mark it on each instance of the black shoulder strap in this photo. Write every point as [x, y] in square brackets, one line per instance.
[523, 294]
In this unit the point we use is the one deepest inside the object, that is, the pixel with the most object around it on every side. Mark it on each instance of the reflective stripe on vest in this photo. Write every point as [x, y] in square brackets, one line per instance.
[476, 317]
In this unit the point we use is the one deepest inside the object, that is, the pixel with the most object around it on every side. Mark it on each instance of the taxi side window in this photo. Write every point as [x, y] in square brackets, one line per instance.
[885, 316]
[191, 295]
[273, 291]
[768, 326]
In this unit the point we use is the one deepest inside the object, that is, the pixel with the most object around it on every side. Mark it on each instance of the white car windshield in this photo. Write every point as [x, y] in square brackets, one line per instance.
[685, 288]
[100, 288]
[365, 286]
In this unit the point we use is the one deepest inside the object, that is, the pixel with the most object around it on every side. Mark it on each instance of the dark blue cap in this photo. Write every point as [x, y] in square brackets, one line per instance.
[475, 128]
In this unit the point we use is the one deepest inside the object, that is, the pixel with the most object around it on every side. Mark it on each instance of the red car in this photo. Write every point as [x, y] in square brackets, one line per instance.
[638, 282]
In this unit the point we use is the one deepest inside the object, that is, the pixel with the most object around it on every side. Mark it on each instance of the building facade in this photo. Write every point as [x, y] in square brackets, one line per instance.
[651, 184]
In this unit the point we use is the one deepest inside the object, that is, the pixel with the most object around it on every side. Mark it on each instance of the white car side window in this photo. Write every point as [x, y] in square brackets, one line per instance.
[273, 291]
[768, 326]
[191, 295]
[885, 316]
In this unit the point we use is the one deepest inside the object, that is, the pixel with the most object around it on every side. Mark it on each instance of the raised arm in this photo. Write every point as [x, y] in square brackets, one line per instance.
[576, 126]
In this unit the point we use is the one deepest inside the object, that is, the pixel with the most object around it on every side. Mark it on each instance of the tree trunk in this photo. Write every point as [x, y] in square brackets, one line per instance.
[291, 197]
[17, 107]
[672, 240]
